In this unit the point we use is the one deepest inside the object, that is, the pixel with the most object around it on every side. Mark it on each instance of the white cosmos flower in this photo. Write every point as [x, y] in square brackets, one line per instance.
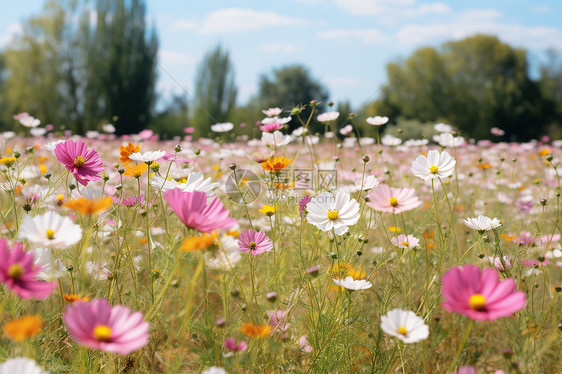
[222, 127]
[442, 127]
[51, 269]
[92, 134]
[555, 253]
[195, 182]
[435, 165]
[404, 325]
[38, 131]
[227, 255]
[328, 213]
[276, 119]
[351, 284]
[346, 130]
[8, 135]
[391, 140]
[51, 146]
[50, 230]
[214, 370]
[30, 121]
[377, 120]
[482, 223]
[366, 141]
[448, 140]
[275, 138]
[108, 128]
[416, 142]
[272, 112]
[147, 156]
[406, 242]
[328, 117]
[20, 365]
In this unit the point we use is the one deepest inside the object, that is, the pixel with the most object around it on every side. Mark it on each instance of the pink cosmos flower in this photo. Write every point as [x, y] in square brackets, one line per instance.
[83, 163]
[392, 200]
[130, 201]
[194, 212]
[277, 320]
[254, 242]
[479, 294]
[303, 343]
[230, 344]
[18, 272]
[534, 263]
[271, 127]
[111, 329]
[403, 241]
[466, 370]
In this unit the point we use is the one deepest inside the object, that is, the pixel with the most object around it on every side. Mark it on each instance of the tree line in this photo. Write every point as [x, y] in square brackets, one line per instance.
[84, 63]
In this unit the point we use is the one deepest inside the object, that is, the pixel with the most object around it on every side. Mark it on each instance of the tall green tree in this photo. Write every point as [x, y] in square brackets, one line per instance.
[551, 87]
[215, 90]
[475, 84]
[121, 67]
[290, 86]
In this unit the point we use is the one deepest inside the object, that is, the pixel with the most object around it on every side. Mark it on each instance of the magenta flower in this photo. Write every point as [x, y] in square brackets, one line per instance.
[277, 320]
[111, 329]
[385, 199]
[271, 127]
[19, 274]
[194, 212]
[479, 294]
[302, 204]
[83, 163]
[254, 242]
[230, 344]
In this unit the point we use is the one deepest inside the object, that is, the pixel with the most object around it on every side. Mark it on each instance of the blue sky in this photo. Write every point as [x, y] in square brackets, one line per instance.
[345, 43]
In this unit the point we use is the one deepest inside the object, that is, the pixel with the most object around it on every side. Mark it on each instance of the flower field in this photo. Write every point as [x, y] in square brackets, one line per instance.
[291, 252]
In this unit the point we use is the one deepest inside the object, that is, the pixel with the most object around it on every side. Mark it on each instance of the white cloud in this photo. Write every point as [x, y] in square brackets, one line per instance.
[11, 31]
[281, 48]
[531, 37]
[367, 36]
[372, 7]
[240, 19]
[541, 9]
[170, 58]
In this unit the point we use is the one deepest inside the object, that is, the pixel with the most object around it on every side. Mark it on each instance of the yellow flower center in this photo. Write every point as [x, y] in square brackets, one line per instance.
[393, 201]
[477, 302]
[405, 243]
[253, 245]
[434, 169]
[402, 330]
[79, 161]
[16, 271]
[50, 234]
[333, 214]
[102, 333]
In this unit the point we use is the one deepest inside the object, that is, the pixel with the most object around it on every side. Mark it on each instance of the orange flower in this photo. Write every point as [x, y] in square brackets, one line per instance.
[73, 298]
[135, 171]
[344, 269]
[198, 243]
[126, 151]
[544, 152]
[483, 166]
[276, 164]
[509, 238]
[255, 331]
[24, 328]
[89, 207]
